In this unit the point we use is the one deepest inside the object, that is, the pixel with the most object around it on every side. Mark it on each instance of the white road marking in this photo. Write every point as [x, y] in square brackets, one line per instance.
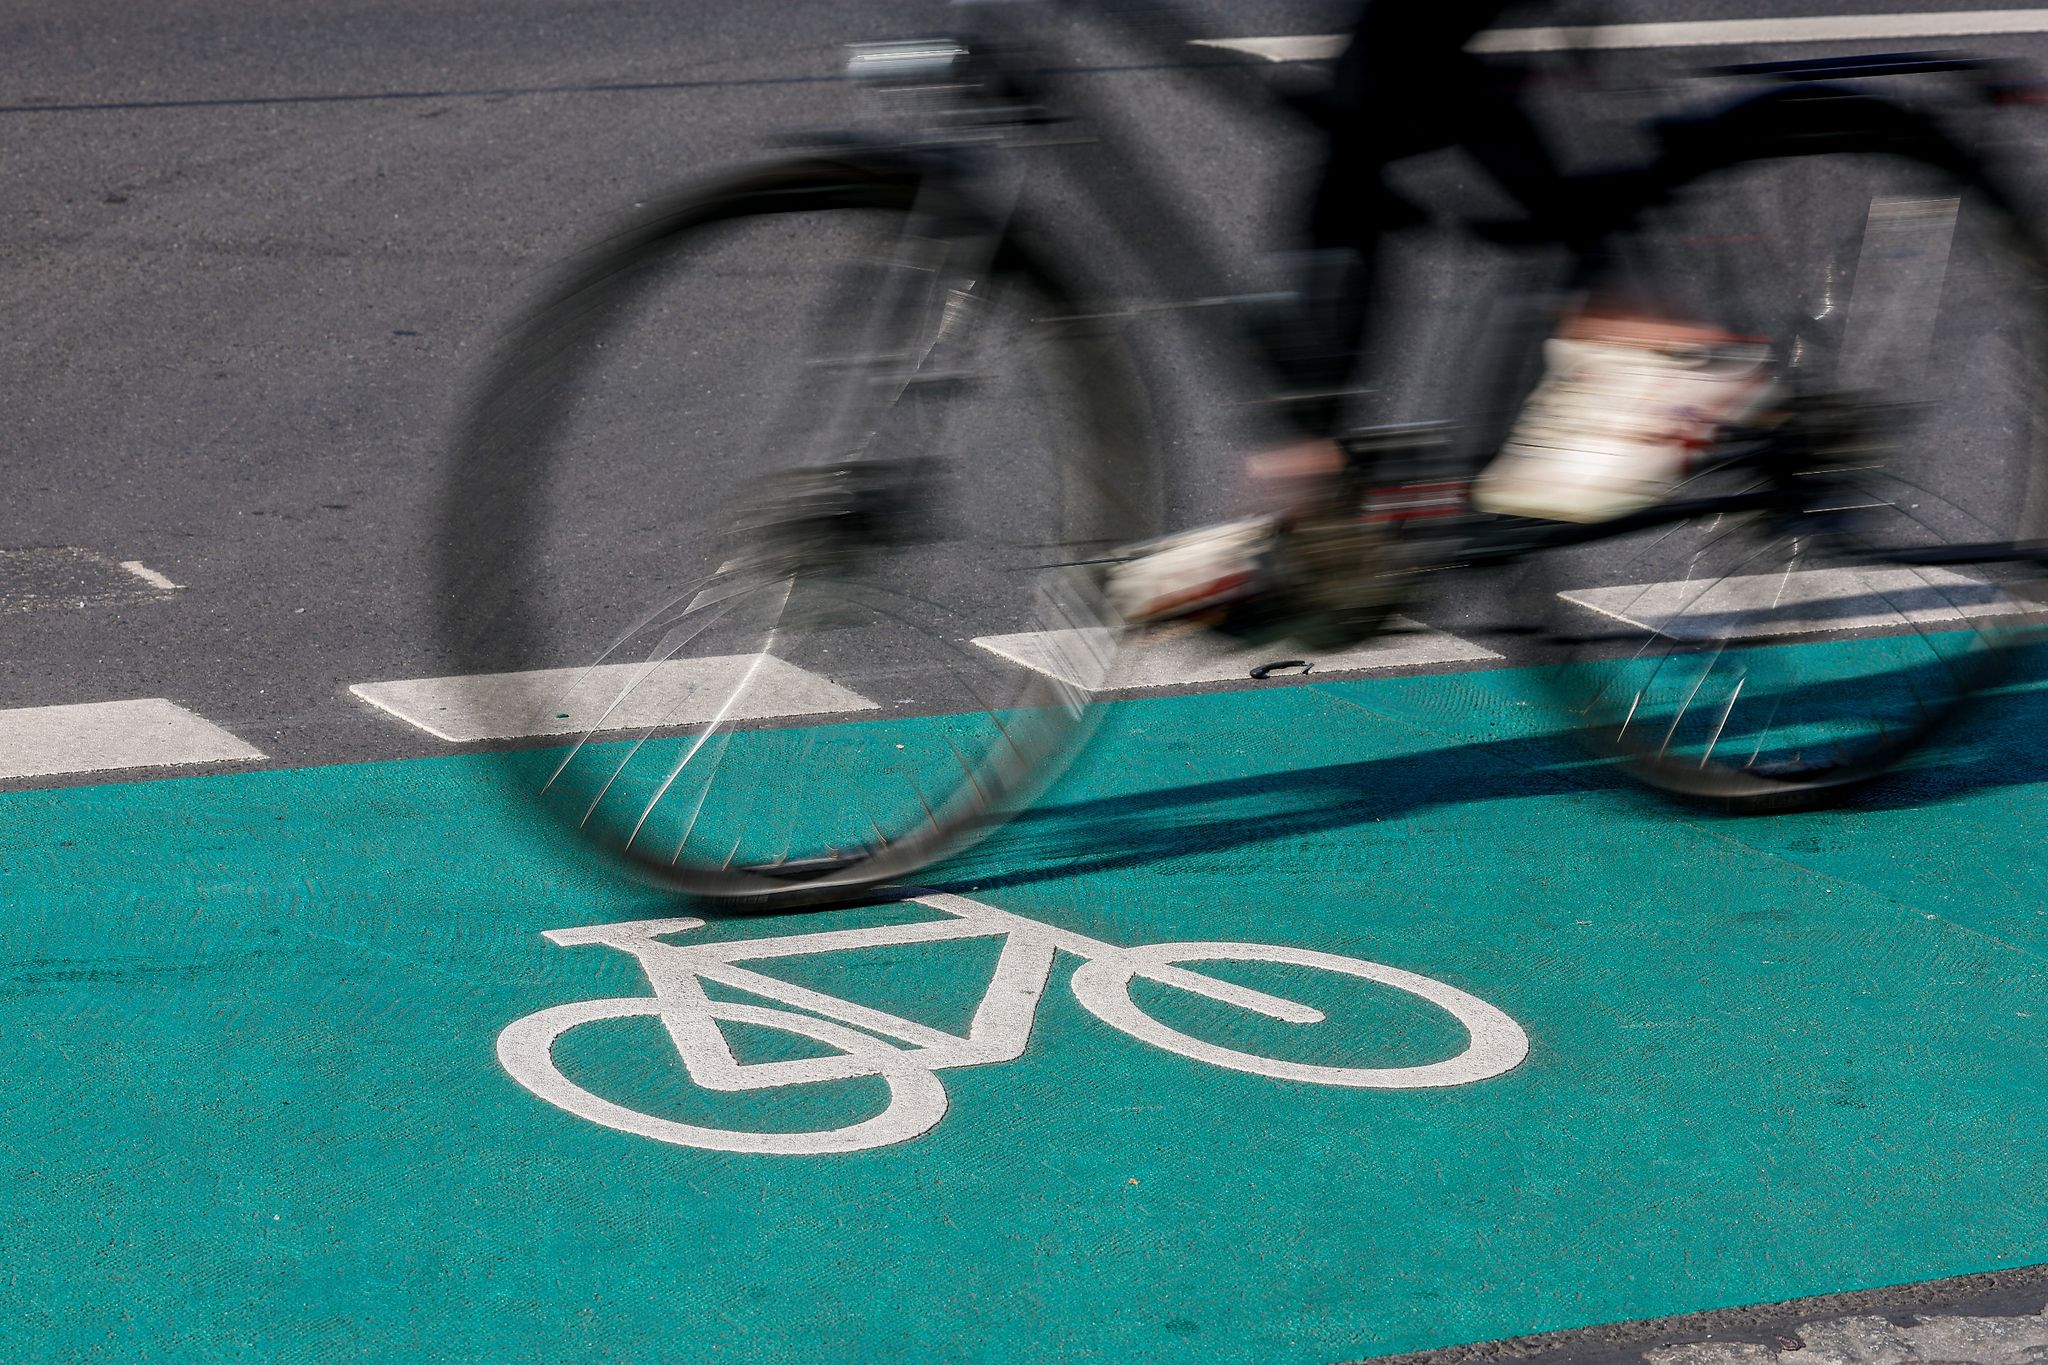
[1205, 657]
[1811, 602]
[573, 701]
[909, 1061]
[68, 577]
[149, 575]
[1829, 28]
[44, 741]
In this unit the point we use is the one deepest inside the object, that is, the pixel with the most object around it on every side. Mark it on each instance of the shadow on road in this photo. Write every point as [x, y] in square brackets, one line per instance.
[2002, 742]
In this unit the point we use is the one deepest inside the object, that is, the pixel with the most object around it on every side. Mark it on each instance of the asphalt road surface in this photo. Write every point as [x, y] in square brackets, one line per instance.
[255, 265]
[254, 261]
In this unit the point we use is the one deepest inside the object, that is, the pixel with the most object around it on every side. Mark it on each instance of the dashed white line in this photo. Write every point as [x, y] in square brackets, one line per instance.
[1206, 657]
[149, 575]
[1811, 602]
[48, 741]
[1692, 33]
[574, 701]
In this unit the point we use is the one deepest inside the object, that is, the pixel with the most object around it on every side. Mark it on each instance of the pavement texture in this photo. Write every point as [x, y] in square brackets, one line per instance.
[1993, 1316]
[1781, 1096]
[1879, 1341]
[262, 1108]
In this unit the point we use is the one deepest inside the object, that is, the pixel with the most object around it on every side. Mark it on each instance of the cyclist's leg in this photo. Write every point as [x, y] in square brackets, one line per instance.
[1402, 86]
[1631, 389]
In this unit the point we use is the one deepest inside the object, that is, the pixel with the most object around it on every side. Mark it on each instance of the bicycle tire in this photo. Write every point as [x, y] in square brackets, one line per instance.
[858, 556]
[1497, 1043]
[1762, 662]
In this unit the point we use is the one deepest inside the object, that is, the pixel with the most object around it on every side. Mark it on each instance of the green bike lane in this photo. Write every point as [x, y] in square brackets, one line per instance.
[253, 1108]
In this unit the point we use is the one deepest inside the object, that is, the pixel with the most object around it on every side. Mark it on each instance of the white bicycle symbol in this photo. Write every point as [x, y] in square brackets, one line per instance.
[1000, 1029]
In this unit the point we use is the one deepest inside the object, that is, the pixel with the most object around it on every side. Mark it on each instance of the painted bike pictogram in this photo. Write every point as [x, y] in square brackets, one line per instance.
[909, 1065]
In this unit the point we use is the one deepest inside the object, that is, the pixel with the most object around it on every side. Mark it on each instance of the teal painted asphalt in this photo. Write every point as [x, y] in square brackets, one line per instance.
[255, 1107]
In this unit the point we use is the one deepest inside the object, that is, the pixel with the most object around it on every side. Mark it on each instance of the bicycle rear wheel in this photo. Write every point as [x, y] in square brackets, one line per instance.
[1828, 589]
[817, 444]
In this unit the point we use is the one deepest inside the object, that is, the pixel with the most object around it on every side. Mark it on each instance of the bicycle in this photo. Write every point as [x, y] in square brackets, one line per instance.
[909, 1063]
[963, 447]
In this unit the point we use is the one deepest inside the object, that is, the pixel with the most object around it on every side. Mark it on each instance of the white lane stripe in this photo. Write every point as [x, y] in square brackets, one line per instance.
[1169, 660]
[1830, 28]
[149, 575]
[1810, 602]
[1300, 47]
[45, 741]
[574, 701]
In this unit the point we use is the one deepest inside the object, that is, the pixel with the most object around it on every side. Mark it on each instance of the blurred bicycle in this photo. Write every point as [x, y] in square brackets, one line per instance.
[670, 522]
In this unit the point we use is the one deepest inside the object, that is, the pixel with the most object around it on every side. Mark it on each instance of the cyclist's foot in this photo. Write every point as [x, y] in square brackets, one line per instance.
[1317, 579]
[1209, 571]
[1195, 573]
[1619, 417]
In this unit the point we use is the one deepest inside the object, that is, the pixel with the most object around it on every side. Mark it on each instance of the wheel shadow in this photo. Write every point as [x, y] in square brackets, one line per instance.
[2002, 742]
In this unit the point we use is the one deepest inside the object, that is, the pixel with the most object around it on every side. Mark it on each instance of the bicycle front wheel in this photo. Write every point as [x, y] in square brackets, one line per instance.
[779, 513]
[1856, 567]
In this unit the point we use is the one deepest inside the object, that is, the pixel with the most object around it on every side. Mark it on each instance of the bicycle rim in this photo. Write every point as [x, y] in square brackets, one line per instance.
[1776, 657]
[781, 490]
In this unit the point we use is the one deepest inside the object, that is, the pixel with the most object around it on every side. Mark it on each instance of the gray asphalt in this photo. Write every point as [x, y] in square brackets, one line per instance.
[252, 258]
[252, 261]
[1995, 1316]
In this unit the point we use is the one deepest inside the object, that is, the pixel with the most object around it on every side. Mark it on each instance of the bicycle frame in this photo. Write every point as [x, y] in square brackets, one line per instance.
[958, 243]
[1001, 106]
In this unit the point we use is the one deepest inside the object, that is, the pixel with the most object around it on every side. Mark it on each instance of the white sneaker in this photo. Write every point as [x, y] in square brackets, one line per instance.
[1190, 573]
[1615, 425]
